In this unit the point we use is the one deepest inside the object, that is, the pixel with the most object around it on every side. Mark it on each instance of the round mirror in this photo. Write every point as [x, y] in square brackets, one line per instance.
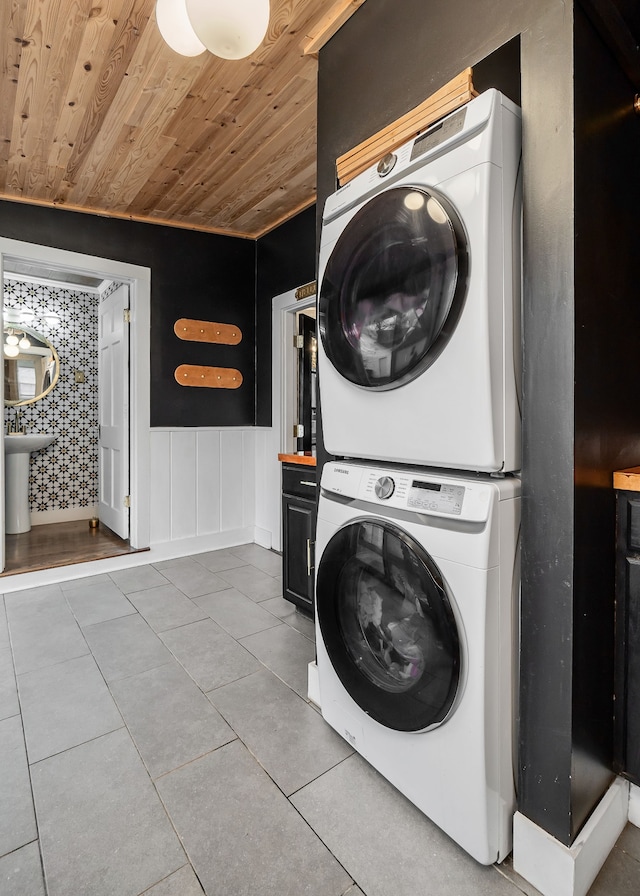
[31, 365]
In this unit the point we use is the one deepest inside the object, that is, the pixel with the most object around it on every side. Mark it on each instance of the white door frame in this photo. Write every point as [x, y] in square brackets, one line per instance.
[283, 400]
[139, 279]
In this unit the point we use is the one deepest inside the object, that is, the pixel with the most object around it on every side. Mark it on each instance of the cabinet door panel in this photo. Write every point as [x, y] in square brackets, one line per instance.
[298, 548]
[632, 701]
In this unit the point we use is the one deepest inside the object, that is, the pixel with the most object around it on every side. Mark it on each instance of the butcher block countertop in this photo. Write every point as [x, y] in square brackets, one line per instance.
[305, 459]
[628, 479]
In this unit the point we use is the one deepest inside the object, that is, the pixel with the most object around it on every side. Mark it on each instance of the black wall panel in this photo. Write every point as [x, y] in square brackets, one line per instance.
[607, 363]
[286, 259]
[195, 275]
[547, 645]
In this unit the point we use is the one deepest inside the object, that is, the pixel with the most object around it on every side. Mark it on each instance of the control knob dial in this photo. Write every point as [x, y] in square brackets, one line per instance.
[387, 164]
[384, 487]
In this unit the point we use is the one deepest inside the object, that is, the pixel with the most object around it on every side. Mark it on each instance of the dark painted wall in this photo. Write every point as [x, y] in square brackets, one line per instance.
[376, 68]
[286, 259]
[547, 645]
[197, 275]
[607, 354]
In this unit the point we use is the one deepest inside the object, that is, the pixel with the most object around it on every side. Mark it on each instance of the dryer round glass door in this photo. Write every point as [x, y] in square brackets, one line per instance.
[388, 625]
[393, 288]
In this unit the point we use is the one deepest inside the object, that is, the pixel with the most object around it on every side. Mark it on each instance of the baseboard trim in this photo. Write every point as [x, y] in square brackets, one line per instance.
[262, 537]
[45, 517]
[198, 544]
[558, 870]
[634, 805]
[313, 684]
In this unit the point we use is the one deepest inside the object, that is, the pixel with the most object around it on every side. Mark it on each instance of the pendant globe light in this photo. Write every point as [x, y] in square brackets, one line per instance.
[231, 29]
[175, 27]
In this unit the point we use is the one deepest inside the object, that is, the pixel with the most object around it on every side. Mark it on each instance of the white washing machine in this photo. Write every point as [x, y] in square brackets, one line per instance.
[419, 356]
[416, 597]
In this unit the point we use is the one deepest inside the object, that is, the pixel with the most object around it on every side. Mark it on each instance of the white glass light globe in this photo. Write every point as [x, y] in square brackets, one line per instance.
[11, 351]
[11, 339]
[24, 343]
[175, 28]
[231, 29]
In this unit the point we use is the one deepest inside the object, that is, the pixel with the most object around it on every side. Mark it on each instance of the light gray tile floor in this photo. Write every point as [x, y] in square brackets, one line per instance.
[159, 742]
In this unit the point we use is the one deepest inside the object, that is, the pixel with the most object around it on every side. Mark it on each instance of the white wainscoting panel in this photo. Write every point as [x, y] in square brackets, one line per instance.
[268, 489]
[208, 492]
[184, 484]
[160, 491]
[233, 481]
[203, 486]
[249, 479]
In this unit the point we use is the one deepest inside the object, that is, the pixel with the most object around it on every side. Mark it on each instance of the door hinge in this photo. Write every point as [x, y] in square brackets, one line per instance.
[298, 431]
[127, 315]
[298, 341]
[127, 500]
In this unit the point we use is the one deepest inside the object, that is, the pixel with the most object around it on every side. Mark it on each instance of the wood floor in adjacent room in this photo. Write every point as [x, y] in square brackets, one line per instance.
[61, 544]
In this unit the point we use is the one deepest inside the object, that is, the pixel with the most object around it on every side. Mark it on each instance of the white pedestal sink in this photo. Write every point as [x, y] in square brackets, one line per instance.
[17, 448]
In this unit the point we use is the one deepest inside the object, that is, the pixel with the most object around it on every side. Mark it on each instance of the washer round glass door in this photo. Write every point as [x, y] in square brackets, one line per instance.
[393, 288]
[388, 625]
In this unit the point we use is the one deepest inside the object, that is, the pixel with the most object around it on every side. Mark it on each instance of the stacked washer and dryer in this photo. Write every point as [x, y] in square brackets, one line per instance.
[417, 560]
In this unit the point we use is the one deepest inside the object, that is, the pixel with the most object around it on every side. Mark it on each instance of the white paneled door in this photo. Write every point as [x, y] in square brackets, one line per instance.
[113, 411]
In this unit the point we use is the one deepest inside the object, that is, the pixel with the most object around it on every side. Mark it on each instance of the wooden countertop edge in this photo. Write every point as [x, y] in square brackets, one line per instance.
[304, 459]
[628, 480]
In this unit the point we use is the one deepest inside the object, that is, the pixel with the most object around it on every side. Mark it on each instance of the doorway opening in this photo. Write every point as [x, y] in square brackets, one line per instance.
[307, 353]
[97, 310]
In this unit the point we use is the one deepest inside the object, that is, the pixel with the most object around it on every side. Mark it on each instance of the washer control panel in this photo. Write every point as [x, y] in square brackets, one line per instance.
[428, 493]
[425, 495]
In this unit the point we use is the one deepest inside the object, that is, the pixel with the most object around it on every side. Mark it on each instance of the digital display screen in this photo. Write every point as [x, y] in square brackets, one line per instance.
[431, 486]
[433, 130]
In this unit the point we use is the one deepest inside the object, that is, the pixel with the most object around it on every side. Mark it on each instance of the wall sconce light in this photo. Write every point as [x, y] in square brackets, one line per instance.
[231, 29]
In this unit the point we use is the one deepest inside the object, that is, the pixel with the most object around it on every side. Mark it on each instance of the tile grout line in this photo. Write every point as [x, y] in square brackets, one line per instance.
[26, 756]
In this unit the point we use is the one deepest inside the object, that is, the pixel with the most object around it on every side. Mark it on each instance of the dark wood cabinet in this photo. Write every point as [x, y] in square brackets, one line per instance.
[298, 534]
[627, 670]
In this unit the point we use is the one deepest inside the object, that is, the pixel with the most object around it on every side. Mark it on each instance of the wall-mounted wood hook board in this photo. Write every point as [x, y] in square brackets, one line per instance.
[208, 377]
[207, 331]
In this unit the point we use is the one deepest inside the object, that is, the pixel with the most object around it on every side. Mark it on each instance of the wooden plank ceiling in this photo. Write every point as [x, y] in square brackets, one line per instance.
[98, 114]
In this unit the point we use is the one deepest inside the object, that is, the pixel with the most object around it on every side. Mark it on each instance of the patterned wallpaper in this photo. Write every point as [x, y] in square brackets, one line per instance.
[64, 475]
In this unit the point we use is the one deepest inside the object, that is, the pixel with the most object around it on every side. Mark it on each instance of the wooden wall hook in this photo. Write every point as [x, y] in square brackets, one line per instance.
[207, 331]
[208, 377]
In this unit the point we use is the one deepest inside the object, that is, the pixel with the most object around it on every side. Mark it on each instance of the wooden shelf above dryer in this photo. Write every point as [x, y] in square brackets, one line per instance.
[450, 97]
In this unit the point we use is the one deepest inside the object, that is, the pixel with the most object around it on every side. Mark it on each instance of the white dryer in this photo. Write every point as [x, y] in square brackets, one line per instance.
[419, 355]
[416, 597]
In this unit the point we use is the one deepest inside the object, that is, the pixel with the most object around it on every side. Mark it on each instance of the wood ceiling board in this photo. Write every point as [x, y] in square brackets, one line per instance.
[134, 16]
[97, 114]
[96, 38]
[279, 163]
[144, 136]
[113, 139]
[242, 162]
[12, 18]
[238, 130]
[52, 67]
[299, 194]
